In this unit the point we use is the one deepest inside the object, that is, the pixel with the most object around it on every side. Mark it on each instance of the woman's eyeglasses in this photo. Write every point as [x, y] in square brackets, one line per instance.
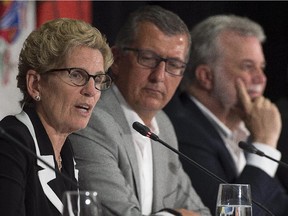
[80, 77]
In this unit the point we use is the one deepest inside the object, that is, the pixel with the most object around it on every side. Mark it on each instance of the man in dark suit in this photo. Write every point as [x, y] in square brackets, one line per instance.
[222, 104]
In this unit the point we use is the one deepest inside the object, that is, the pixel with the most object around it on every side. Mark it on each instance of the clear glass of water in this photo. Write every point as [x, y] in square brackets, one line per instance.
[81, 203]
[234, 200]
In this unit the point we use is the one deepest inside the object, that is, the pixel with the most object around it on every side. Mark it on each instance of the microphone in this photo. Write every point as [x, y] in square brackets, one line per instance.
[252, 149]
[29, 151]
[145, 131]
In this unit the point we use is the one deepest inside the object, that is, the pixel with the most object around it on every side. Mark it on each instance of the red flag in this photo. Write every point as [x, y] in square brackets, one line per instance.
[47, 10]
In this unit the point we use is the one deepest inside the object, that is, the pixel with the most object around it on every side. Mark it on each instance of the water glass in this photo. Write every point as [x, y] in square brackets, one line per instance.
[81, 203]
[234, 200]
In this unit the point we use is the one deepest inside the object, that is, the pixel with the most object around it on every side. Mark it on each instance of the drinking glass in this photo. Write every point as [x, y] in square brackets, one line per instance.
[81, 203]
[234, 200]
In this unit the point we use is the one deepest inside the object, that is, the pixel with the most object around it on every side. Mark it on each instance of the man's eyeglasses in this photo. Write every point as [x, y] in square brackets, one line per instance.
[150, 59]
[80, 77]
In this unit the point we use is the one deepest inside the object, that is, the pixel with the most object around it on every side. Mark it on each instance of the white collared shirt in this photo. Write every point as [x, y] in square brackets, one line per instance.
[144, 154]
[231, 140]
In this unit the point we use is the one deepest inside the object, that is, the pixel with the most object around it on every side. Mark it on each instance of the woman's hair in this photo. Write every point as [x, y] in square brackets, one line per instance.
[205, 44]
[48, 47]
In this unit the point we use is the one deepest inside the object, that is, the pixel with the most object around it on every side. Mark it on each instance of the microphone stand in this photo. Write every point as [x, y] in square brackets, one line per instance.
[211, 174]
[277, 161]
[252, 149]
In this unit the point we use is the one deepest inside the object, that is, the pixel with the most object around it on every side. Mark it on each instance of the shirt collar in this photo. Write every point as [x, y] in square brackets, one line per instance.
[220, 127]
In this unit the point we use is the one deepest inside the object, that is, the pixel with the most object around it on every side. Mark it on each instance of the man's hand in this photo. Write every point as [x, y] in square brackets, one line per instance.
[260, 116]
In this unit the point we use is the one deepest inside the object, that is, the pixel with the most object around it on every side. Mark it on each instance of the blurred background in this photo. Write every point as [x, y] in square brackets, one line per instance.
[19, 18]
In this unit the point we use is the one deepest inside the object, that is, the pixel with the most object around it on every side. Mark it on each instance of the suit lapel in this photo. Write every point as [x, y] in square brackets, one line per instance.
[159, 161]
[111, 103]
[197, 116]
[131, 154]
[45, 174]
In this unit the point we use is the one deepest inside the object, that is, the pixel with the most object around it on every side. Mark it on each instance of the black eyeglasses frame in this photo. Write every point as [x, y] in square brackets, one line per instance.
[107, 77]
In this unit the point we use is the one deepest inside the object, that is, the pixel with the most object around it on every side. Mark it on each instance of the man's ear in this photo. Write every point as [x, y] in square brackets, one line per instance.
[32, 81]
[204, 76]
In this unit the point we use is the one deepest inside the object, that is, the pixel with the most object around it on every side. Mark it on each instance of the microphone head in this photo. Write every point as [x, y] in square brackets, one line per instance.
[144, 130]
[247, 147]
[250, 148]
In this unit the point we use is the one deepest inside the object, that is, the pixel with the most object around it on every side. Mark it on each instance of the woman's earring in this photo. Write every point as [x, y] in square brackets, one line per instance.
[37, 98]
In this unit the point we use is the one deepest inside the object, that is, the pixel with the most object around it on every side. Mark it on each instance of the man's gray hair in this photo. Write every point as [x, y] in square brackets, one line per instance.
[204, 36]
